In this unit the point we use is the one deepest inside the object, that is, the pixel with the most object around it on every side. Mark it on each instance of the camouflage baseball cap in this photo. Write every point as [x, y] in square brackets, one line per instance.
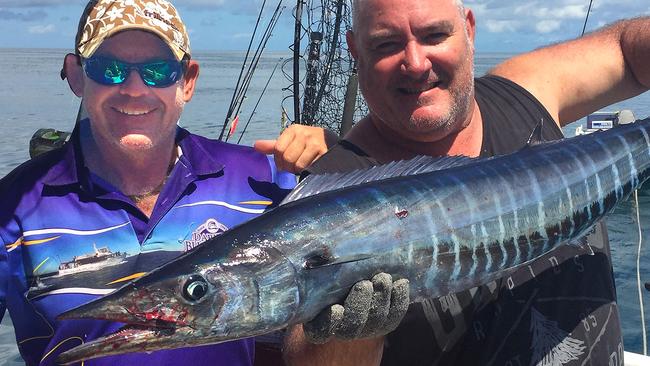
[104, 18]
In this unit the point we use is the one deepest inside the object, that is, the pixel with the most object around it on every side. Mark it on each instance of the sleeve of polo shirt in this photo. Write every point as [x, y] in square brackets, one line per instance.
[284, 180]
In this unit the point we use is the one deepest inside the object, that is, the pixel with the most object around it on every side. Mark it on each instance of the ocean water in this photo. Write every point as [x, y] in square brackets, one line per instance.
[35, 97]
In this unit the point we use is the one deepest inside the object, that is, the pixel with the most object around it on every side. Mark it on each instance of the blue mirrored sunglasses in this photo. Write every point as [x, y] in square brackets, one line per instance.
[109, 71]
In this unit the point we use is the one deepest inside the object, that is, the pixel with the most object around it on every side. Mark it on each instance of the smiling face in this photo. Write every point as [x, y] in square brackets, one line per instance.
[133, 117]
[415, 61]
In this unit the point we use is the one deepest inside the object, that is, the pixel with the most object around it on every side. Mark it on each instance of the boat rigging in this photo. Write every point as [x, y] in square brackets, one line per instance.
[323, 83]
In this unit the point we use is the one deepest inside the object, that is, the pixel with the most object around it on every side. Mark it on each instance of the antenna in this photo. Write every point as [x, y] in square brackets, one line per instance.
[584, 27]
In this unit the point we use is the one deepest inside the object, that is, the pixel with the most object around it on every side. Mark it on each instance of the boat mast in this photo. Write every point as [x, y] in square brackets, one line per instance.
[296, 62]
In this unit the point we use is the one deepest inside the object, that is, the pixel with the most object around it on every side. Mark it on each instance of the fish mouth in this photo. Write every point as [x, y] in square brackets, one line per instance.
[129, 339]
[150, 325]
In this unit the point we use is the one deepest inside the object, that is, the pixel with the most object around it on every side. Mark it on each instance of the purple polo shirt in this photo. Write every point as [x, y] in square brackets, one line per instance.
[70, 237]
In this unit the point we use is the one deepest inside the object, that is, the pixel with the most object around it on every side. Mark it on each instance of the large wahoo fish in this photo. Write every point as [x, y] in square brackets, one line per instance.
[445, 224]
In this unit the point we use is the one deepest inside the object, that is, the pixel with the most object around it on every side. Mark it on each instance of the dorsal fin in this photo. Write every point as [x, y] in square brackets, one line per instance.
[319, 183]
[536, 136]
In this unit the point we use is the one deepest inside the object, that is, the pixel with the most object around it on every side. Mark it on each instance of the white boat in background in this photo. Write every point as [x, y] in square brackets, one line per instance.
[635, 359]
[604, 121]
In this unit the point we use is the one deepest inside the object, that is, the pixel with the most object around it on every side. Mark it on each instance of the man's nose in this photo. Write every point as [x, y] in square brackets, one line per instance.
[134, 85]
[416, 61]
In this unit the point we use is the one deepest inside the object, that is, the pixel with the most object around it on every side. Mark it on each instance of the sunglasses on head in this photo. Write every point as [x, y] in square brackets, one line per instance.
[109, 71]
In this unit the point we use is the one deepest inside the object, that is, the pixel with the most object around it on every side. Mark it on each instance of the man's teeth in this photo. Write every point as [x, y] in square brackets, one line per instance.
[133, 112]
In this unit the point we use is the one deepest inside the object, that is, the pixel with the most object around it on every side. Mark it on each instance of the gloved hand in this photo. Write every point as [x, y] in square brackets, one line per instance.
[372, 308]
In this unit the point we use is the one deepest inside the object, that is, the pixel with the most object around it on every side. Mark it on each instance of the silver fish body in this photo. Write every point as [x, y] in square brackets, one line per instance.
[446, 230]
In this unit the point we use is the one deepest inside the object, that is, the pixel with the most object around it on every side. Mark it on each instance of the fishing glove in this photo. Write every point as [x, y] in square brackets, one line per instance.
[372, 308]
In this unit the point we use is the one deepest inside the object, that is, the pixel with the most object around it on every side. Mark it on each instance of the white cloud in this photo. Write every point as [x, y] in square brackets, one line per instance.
[547, 26]
[547, 20]
[41, 29]
[29, 16]
[33, 3]
[550, 18]
[548, 8]
[499, 26]
[208, 3]
[178, 3]
[565, 12]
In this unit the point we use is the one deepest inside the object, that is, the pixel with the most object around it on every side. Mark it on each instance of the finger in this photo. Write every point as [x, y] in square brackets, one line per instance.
[265, 146]
[318, 141]
[281, 145]
[306, 159]
[314, 147]
[285, 139]
[382, 284]
[399, 304]
[321, 328]
[357, 305]
[292, 154]
[269, 147]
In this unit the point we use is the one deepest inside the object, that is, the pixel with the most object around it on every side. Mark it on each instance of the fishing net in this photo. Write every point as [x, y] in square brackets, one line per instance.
[321, 70]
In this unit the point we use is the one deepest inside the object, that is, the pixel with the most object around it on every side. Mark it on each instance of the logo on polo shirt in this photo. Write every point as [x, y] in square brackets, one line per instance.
[207, 230]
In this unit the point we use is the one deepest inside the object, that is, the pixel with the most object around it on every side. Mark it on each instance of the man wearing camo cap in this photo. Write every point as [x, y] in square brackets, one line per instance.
[130, 191]
[103, 19]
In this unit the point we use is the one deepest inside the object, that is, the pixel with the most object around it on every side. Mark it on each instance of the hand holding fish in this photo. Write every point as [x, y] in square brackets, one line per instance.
[371, 309]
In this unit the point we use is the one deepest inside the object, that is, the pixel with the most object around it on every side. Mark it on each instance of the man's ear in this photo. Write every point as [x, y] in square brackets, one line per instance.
[470, 24]
[191, 75]
[74, 73]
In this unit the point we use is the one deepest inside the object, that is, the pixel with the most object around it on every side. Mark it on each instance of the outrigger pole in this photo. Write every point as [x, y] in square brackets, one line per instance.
[241, 94]
[243, 82]
[258, 102]
[232, 101]
[584, 27]
[350, 102]
[296, 62]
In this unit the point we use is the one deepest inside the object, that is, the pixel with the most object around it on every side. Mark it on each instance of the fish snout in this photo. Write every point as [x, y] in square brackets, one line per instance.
[133, 305]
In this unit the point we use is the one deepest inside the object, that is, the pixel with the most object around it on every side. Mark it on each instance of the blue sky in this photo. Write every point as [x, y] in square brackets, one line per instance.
[503, 25]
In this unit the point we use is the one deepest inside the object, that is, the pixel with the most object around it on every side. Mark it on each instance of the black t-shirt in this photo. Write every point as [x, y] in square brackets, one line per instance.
[559, 310]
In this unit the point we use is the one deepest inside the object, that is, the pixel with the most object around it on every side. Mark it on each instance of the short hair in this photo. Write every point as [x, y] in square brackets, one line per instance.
[458, 3]
[355, 9]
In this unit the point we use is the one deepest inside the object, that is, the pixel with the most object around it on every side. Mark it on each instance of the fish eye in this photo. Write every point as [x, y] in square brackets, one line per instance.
[195, 288]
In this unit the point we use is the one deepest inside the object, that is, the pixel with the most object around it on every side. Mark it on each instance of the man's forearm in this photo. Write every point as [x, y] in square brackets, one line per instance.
[575, 78]
[298, 352]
